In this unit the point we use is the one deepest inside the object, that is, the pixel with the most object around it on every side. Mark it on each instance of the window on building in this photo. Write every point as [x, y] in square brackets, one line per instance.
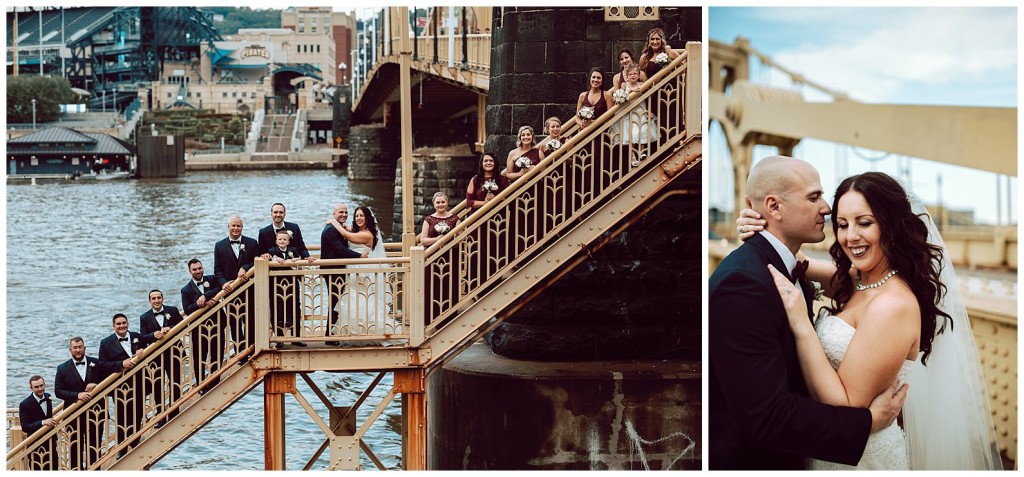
[168, 94]
[225, 94]
[622, 14]
[234, 94]
[318, 48]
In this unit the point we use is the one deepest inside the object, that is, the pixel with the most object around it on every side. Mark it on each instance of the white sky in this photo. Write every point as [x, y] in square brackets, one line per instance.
[930, 56]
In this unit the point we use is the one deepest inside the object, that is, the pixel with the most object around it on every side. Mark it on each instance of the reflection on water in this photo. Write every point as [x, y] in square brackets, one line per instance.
[79, 252]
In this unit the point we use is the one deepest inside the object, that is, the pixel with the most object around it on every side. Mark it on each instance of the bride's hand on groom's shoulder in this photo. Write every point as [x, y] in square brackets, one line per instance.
[796, 309]
[748, 223]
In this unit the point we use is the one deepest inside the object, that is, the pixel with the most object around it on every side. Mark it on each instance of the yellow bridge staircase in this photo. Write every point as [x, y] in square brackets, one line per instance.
[430, 304]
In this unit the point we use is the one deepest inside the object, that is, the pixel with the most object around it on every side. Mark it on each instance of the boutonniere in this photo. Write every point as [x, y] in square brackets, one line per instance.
[241, 247]
[92, 365]
[291, 254]
[206, 284]
[289, 233]
[135, 340]
[818, 292]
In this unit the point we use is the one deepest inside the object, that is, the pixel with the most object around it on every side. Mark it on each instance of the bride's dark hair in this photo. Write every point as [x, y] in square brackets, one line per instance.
[904, 241]
[371, 223]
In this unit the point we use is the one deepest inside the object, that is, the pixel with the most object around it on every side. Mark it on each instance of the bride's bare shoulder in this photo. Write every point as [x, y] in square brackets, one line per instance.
[894, 306]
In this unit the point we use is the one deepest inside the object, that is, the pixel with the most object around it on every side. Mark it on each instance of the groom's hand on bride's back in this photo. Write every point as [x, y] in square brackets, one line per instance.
[886, 406]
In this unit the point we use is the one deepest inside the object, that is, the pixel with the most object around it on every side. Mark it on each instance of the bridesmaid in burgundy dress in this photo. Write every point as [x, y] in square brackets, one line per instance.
[445, 286]
[486, 184]
[655, 46]
[596, 99]
[553, 128]
[483, 188]
[525, 147]
[432, 230]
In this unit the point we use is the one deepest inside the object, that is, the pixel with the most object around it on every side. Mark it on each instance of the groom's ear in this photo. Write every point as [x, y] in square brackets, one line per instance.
[773, 206]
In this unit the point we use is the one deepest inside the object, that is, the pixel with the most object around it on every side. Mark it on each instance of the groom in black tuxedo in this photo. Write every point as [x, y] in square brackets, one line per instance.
[36, 412]
[760, 415]
[233, 256]
[335, 245]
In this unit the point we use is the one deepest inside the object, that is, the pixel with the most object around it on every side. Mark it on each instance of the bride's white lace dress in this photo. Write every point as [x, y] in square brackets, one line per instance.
[886, 449]
[365, 305]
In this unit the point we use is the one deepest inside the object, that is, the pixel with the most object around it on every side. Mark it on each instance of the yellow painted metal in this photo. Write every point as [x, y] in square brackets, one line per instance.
[414, 308]
[345, 453]
[405, 53]
[694, 88]
[262, 309]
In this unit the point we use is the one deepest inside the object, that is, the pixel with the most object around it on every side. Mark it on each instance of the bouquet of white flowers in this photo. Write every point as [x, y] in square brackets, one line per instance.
[524, 162]
[620, 96]
[587, 112]
[662, 59]
[489, 186]
[554, 145]
[441, 228]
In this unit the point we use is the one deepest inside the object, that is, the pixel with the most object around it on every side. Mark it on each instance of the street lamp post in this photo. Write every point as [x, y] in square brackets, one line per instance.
[243, 131]
[33, 114]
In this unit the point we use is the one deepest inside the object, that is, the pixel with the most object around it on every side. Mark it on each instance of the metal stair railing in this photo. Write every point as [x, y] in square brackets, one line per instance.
[560, 192]
[160, 383]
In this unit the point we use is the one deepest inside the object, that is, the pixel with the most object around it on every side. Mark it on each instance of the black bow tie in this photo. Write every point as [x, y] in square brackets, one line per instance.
[800, 270]
[233, 242]
[79, 363]
[123, 339]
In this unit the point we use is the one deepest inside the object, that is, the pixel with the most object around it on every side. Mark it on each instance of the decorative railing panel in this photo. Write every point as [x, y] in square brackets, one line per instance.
[362, 301]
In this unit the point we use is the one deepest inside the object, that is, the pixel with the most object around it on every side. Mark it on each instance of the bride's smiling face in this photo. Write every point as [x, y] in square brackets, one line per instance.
[859, 234]
[360, 219]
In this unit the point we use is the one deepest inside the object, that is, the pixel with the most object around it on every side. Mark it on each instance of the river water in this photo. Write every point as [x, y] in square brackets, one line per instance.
[79, 252]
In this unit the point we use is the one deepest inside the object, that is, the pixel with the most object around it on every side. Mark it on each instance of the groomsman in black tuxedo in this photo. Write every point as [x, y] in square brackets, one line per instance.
[154, 324]
[268, 235]
[232, 258]
[76, 378]
[197, 294]
[36, 412]
[121, 346]
[334, 245]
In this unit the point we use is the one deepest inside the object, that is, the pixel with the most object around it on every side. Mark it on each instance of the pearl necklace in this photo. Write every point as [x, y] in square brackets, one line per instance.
[862, 287]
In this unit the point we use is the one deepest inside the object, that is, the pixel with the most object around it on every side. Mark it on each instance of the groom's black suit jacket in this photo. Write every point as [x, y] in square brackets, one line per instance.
[759, 414]
[334, 245]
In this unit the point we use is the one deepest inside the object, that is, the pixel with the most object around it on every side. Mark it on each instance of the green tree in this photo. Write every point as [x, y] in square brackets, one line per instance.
[48, 92]
[245, 17]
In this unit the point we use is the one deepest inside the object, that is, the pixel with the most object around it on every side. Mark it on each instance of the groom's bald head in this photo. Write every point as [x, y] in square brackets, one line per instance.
[787, 193]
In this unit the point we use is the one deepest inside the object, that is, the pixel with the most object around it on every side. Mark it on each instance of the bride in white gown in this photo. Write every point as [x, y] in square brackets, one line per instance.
[365, 306]
[888, 269]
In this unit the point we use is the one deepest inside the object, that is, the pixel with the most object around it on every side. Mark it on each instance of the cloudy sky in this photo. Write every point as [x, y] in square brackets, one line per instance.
[930, 56]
